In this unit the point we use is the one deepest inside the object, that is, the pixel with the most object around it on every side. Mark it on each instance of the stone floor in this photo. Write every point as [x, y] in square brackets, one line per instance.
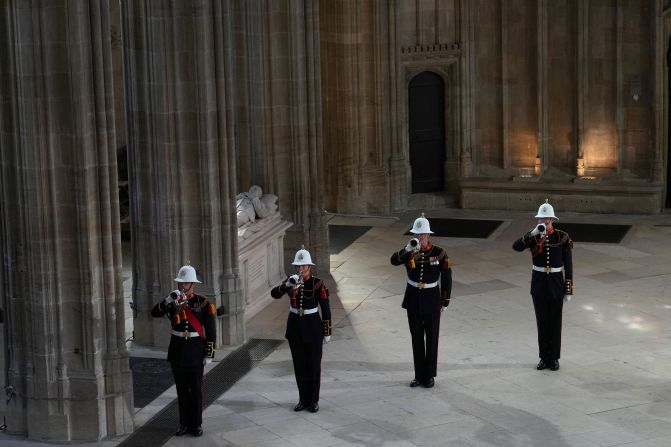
[613, 388]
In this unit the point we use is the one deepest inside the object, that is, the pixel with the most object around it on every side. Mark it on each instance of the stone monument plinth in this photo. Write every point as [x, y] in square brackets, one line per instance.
[261, 231]
[261, 260]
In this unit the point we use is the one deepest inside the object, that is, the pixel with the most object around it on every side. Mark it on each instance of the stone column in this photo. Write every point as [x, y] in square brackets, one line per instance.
[293, 102]
[542, 161]
[621, 111]
[467, 66]
[583, 84]
[307, 15]
[506, 133]
[662, 30]
[354, 44]
[399, 164]
[182, 157]
[67, 365]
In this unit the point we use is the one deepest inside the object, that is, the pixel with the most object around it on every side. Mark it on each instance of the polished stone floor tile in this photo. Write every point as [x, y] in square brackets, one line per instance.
[613, 388]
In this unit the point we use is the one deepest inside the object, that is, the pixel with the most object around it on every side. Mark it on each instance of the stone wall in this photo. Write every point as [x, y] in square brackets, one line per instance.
[574, 110]
[278, 119]
[219, 95]
[565, 93]
[182, 157]
[307, 99]
[65, 361]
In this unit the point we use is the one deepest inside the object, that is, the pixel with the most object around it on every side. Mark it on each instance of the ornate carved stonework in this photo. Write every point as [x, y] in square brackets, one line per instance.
[431, 52]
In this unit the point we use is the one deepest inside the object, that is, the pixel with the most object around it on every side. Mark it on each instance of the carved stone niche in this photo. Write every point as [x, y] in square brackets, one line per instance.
[261, 260]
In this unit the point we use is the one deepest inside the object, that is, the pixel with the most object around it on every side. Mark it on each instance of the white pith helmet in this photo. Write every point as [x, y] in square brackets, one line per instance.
[186, 274]
[421, 226]
[302, 257]
[546, 210]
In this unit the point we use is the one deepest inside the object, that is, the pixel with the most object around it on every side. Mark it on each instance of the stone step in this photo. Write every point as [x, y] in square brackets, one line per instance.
[432, 200]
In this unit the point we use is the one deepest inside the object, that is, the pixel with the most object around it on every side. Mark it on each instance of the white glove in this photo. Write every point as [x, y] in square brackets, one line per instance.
[171, 297]
[291, 281]
[207, 361]
[181, 299]
[540, 229]
[567, 298]
[327, 338]
[412, 245]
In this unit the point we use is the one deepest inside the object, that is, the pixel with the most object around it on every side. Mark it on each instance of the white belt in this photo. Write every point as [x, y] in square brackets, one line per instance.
[185, 334]
[301, 312]
[547, 269]
[423, 285]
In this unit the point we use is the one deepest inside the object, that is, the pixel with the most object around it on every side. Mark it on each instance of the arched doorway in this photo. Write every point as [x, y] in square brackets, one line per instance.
[426, 119]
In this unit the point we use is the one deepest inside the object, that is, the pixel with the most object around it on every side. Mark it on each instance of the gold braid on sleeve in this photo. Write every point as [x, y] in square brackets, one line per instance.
[326, 325]
[209, 349]
[568, 287]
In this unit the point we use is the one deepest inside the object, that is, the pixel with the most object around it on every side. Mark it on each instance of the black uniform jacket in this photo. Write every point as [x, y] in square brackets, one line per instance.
[307, 328]
[190, 352]
[426, 266]
[553, 251]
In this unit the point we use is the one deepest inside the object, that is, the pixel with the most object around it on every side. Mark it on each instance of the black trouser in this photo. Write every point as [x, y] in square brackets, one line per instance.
[548, 321]
[189, 384]
[307, 359]
[425, 359]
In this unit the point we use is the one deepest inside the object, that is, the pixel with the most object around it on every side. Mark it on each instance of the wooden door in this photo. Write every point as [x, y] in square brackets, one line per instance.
[426, 121]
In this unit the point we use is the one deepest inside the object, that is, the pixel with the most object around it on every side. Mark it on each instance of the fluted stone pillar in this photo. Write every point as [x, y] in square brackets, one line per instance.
[399, 163]
[582, 81]
[355, 42]
[292, 106]
[467, 22]
[182, 164]
[67, 365]
[661, 104]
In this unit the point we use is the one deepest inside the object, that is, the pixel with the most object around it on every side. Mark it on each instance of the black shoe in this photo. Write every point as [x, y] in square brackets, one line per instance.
[299, 406]
[198, 431]
[429, 383]
[314, 407]
[414, 383]
[554, 365]
[181, 431]
[542, 365]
